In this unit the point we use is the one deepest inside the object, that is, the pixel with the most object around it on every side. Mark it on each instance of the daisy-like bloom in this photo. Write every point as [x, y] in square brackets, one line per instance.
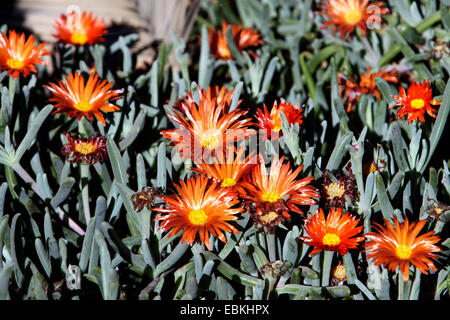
[205, 127]
[80, 30]
[222, 96]
[338, 189]
[87, 151]
[77, 98]
[401, 245]
[243, 38]
[416, 101]
[272, 121]
[19, 56]
[346, 15]
[228, 172]
[352, 90]
[335, 233]
[199, 207]
[270, 188]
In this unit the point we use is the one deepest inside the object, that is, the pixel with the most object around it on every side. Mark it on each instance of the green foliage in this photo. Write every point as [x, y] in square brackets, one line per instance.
[122, 253]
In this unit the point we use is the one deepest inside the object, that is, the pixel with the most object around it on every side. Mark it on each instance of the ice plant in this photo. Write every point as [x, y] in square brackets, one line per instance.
[338, 189]
[272, 121]
[85, 151]
[268, 190]
[352, 90]
[229, 171]
[80, 29]
[335, 233]
[347, 15]
[18, 56]
[243, 39]
[416, 101]
[199, 207]
[205, 127]
[401, 245]
[77, 99]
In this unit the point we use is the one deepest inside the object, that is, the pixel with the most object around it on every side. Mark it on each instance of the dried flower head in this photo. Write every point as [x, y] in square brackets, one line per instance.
[19, 56]
[275, 268]
[338, 274]
[338, 189]
[437, 210]
[268, 215]
[80, 29]
[87, 151]
[335, 233]
[400, 245]
[144, 198]
[77, 98]
[416, 101]
[347, 15]
[243, 39]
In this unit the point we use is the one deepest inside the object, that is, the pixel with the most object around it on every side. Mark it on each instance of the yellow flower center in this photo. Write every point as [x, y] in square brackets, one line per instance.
[228, 182]
[85, 148]
[339, 272]
[334, 190]
[277, 128]
[417, 103]
[353, 16]
[403, 251]
[269, 217]
[270, 196]
[210, 141]
[331, 239]
[198, 217]
[15, 63]
[373, 168]
[83, 106]
[78, 38]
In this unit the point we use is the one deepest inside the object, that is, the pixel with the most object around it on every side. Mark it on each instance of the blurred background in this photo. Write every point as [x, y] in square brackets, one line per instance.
[151, 19]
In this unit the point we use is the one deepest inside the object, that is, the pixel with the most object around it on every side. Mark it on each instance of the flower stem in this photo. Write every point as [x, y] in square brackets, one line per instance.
[85, 191]
[326, 269]
[12, 89]
[401, 286]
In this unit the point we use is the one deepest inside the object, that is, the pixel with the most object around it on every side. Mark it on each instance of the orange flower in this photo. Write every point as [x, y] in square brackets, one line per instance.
[401, 245]
[346, 15]
[335, 233]
[243, 38]
[79, 30]
[353, 90]
[414, 103]
[207, 127]
[222, 96]
[228, 172]
[78, 99]
[266, 189]
[199, 208]
[87, 151]
[20, 56]
[272, 122]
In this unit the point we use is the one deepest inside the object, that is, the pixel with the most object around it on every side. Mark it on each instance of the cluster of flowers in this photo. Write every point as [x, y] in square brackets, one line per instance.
[207, 203]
